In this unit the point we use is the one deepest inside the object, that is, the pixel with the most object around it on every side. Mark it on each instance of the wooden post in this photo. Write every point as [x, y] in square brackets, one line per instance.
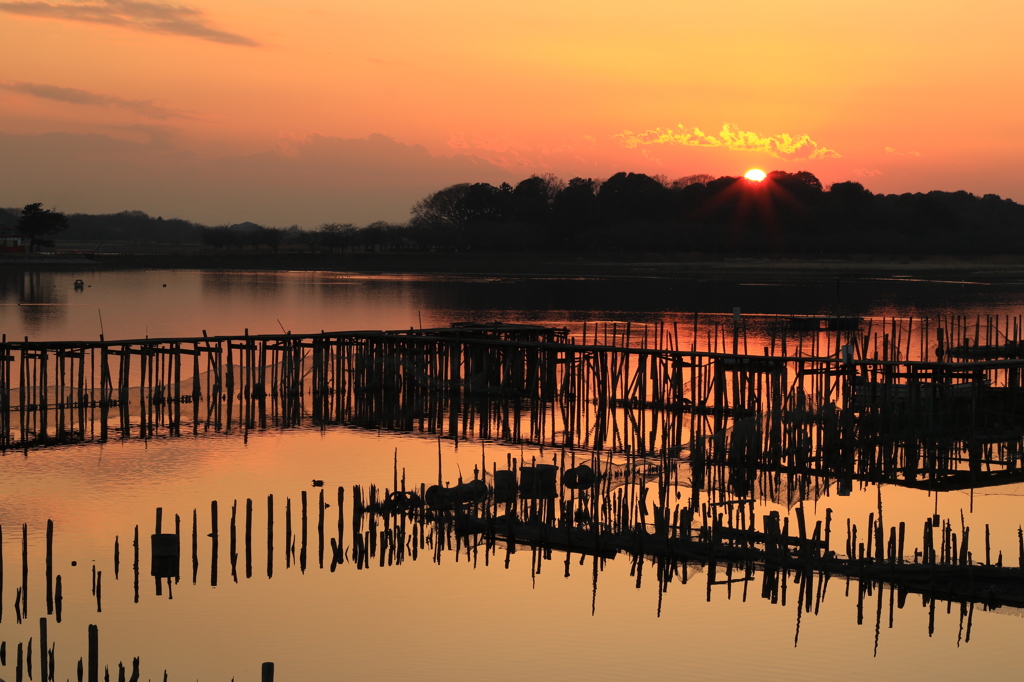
[248, 537]
[94, 654]
[320, 528]
[270, 536]
[24, 570]
[302, 550]
[49, 568]
[44, 650]
[233, 546]
[216, 543]
[58, 598]
[135, 565]
[341, 524]
[195, 545]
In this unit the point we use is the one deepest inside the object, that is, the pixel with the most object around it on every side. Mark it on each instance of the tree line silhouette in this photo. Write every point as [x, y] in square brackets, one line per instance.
[786, 213]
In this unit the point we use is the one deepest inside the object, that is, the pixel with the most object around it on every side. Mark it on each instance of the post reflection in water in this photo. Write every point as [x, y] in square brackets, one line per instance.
[729, 463]
[590, 512]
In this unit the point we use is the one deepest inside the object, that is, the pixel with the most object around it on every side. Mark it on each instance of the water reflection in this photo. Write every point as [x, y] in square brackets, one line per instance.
[561, 520]
[38, 298]
[266, 286]
[182, 303]
[769, 513]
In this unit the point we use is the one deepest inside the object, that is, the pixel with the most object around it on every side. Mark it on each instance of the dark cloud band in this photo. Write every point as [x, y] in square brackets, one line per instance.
[153, 17]
[57, 93]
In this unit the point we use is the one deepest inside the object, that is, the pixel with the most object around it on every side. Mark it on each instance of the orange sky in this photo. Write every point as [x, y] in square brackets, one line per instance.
[313, 111]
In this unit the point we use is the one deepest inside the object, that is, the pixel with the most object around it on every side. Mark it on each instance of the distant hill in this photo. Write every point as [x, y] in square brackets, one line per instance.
[130, 226]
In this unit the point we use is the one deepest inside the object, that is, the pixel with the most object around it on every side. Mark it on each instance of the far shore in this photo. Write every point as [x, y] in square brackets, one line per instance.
[974, 268]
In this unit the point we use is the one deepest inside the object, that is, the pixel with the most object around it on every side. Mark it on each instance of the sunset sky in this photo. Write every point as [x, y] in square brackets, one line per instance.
[312, 111]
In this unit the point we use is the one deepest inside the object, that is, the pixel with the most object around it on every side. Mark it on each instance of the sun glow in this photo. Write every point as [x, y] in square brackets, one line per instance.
[755, 175]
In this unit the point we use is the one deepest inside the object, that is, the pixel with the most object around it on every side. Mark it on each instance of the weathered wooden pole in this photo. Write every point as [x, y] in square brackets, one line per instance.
[58, 598]
[44, 651]
[49, 567]
[248, 537]
[94, 654]
[320, 528]
[270, 536]
[215, 534]
[302, 550]
[135, 564]
[24, 570]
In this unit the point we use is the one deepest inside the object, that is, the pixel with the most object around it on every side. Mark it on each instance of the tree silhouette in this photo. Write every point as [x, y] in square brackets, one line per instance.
[37, 222]
[532, 198]
[334, 236]
[575, 210]
[632, 197]
[442, 208]
[687, 180]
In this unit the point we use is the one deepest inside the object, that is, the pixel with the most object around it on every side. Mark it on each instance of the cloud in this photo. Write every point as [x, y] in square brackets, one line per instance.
[866, 172]
[57, 93]
[152, 17]
[890, 150]
[782, 146]
[516, 154]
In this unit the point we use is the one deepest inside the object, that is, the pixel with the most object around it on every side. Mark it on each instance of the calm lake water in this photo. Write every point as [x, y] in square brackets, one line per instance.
[455, 613]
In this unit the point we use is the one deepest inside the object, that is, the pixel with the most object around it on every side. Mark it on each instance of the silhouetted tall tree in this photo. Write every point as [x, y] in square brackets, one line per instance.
[37, 222]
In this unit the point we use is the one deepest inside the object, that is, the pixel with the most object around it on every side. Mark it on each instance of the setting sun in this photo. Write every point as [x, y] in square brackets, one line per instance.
[755, 175]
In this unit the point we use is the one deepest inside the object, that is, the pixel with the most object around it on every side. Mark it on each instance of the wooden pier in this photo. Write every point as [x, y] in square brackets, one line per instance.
[846, 404]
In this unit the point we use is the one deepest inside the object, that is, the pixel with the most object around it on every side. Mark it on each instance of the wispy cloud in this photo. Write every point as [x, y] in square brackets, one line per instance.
[866, 172]
[894, 152]
[781, 146]
[153, 17]
[57, 93]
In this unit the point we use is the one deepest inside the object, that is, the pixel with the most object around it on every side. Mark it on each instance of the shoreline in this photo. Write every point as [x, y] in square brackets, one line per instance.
[1002, 269]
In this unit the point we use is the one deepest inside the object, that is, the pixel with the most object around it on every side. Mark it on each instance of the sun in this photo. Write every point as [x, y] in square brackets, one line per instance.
[755, 175]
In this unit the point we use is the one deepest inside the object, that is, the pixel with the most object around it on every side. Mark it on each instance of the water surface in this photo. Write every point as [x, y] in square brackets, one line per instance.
[468, 615]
